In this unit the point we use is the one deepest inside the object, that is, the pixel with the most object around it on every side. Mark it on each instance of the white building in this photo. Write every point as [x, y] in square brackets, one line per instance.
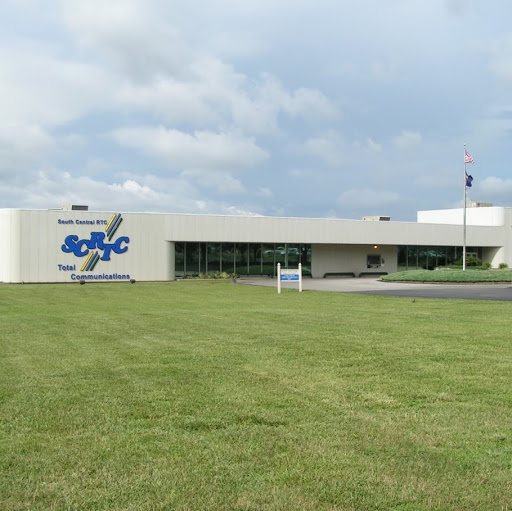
[69, 245]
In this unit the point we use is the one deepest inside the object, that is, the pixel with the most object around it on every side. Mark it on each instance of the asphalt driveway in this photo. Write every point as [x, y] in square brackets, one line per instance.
[374, 286]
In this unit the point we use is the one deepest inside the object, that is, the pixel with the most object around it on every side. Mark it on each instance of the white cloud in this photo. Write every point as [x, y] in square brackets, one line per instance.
[213, 93]
[222, 182]
[131, 186]
[23, 147]
[170, 99]
[369, 145]
[384, 71]
[270, 98]
[496, 188]
[265, 193]
[440, 179]
[407, 140]
[200, 151]
[310, 104]
[73, 140]
[53, 189]
[300, 173]
[368, 198]
[41, 89]
[180, 84]
[327, 147]
[237, 43]
[131, 35]
[501, 57]
[25, 137]
[234, 92]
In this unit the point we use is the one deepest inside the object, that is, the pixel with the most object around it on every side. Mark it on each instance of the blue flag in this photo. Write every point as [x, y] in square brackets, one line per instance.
[469, 180]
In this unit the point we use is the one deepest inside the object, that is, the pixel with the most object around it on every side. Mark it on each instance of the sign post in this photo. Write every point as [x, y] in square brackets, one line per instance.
[289, 275]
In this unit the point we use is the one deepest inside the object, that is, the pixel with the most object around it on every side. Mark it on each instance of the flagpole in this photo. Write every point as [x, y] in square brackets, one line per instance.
[464, 222]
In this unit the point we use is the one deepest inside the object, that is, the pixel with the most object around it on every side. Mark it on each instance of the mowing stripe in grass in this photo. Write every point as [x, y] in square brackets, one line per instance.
[216, 396]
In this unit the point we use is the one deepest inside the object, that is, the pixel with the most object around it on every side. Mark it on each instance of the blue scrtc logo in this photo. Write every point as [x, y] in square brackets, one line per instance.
[99, 246]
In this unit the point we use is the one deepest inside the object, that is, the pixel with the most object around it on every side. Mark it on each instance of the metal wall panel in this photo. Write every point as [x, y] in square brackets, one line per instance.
[33, 241]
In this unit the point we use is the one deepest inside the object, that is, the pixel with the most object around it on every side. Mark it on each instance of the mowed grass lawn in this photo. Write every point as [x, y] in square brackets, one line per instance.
[215, 396]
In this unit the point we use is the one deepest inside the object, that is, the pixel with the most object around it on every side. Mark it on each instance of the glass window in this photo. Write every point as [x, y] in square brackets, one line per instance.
[238, 257]
[191, 258]
[280, 254]
[254, 259]
[203, 258]
[475, 252]
[268, 263]
[412, 257]
[293, 255]
[402, 258]
[213, 257]
[423, 257]
[453, 255]
[179, 259]
[440, 256]
[305, 259]
[228, 257]
[241, 259]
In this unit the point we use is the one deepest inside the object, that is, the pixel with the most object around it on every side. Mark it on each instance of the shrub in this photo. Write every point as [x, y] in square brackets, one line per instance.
[470, 261]
[503, 266]
[208, 276]
[459, 267]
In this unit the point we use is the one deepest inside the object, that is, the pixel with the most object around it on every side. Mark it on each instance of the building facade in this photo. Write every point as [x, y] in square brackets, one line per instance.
[71, 245]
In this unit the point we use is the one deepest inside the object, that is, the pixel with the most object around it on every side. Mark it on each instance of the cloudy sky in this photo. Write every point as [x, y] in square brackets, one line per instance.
[310, 108]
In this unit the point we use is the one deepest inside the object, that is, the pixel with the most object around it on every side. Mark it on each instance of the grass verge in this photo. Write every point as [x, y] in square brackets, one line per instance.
[448, 275]
[209, 395]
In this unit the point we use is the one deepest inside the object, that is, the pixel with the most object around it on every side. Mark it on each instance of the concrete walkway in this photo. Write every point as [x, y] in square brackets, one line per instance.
[374, 286]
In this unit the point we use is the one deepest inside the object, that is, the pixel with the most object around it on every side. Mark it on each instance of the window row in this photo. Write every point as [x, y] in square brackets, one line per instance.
[412, 257]
[192, 258]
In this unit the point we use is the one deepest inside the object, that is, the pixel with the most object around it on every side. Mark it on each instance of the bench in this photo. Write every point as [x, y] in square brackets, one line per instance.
[372, 273]
[340, 274]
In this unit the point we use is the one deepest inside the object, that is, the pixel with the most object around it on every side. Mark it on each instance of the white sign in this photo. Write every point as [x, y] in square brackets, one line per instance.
[289, 275]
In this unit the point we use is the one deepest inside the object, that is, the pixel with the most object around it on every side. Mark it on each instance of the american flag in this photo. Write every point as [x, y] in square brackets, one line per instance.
[468, 158]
